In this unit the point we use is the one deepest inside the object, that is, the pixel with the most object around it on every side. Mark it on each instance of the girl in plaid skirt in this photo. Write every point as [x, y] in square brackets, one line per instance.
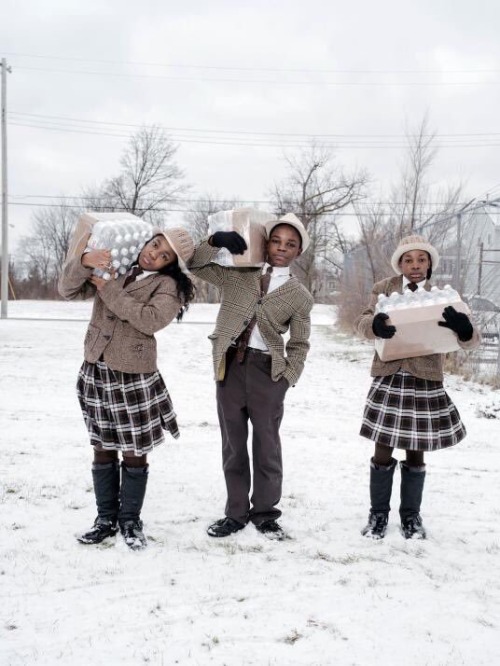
[407, 406]
[124, 400]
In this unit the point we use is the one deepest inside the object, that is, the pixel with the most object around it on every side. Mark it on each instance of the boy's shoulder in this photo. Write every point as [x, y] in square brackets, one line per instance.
[302, 291]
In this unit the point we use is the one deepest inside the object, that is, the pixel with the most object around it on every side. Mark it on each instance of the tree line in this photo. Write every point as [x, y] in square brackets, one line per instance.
[315, 187]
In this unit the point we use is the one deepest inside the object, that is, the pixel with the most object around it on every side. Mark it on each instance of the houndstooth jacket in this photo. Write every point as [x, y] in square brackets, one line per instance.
[287, 308]
[426, 367]
[124, 320]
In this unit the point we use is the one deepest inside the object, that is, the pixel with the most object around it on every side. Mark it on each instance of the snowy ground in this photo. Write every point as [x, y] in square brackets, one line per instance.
[327, 596]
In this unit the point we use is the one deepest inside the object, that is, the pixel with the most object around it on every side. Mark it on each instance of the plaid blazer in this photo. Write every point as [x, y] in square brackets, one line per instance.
[123, 320]
[425, 367]
[287, 308]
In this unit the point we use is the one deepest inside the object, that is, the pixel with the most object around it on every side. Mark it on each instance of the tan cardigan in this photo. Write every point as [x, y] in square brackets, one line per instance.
[287, 308]
[123, 321]
[425, 367]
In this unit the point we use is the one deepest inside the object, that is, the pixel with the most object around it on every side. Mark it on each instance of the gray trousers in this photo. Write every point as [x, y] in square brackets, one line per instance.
[249, 393]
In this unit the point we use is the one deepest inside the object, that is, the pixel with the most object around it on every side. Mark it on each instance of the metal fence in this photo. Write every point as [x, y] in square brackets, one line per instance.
[483, 364]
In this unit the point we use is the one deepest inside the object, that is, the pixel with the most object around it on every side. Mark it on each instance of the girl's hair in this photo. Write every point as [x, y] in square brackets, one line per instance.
[185, 286]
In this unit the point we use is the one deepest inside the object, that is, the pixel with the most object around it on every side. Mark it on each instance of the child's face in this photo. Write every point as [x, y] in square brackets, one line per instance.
[283, 245]
[415, 265]
[156, 254]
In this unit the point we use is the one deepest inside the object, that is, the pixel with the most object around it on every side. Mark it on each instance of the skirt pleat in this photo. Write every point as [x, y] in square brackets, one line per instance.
[406, 412]
[124, 411]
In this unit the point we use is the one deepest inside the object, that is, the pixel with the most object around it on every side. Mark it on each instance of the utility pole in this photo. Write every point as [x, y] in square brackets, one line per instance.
[480, 269]
[5, 225]
[459, 251]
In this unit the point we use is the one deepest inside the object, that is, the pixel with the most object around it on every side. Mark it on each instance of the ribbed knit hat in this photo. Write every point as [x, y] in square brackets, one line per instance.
[293, 221]
[410, 243]
[181, 242]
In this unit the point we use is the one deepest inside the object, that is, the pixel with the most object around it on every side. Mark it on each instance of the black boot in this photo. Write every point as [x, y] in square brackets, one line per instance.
[106, 478]
[412, 487]
[380, 496]
[133, 491]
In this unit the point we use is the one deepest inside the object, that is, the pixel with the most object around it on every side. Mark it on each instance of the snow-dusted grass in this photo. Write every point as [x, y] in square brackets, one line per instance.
[326, 596]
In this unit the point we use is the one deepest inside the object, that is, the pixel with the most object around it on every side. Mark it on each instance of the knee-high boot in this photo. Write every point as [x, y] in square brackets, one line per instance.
[133, 492]
[381, 477]
[106, 479]
[412, 488]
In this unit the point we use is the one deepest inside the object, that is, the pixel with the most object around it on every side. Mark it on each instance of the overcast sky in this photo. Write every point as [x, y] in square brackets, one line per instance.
[238, 83]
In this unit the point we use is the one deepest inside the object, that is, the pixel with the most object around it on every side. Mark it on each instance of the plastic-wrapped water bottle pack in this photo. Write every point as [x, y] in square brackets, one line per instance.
[124, 239]
[416, 299]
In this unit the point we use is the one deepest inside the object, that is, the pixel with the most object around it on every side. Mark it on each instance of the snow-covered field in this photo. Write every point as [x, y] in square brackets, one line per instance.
[327, 596]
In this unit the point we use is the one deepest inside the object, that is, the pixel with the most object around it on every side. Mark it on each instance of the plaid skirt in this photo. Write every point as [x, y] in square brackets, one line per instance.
[125, 411]
[406, 412]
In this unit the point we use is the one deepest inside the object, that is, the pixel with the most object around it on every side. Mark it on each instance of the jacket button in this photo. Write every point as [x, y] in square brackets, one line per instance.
[107, 337]
[259, 302]
[246, 322]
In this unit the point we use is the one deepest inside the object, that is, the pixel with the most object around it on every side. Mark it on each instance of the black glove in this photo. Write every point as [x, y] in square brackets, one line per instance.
[231, 240]
[457, 322]
[380, 328]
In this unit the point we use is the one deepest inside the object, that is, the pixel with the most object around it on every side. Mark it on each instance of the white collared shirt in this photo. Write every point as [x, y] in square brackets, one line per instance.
[420, 285]
[144, 274]
[279, 276]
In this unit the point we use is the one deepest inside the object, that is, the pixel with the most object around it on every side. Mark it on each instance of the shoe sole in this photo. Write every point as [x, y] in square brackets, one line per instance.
[214, 535]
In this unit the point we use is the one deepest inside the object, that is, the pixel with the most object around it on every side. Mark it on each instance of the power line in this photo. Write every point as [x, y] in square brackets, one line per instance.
[337, 213]
[202, 198]
[275, 82]
[257, 69]
[257, 142]
[219, 131]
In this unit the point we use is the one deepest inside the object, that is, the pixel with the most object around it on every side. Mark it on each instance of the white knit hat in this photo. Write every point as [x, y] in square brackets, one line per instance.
[410, 243]
[181, 242]
[293, 221]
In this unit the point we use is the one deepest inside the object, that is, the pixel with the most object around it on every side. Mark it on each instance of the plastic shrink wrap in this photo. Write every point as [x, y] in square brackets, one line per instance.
[123, 234]
[249, 223]
[415, 316]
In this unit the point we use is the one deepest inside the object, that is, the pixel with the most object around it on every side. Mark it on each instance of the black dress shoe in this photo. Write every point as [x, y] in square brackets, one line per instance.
[272, 530]
[224, 527]
[101, 530]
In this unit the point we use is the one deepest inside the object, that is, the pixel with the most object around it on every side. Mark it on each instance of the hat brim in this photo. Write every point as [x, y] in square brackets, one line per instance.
[425, 247]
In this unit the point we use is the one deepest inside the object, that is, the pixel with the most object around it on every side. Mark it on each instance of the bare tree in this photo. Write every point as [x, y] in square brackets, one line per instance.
[197, 216]
[317, 190]
[44, 251]
[407, 211]
[149, 180]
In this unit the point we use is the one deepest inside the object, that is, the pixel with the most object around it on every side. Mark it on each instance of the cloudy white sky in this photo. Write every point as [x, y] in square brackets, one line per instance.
[239, 83]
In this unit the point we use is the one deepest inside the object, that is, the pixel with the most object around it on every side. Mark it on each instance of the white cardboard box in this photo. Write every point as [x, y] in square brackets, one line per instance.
[418, 333]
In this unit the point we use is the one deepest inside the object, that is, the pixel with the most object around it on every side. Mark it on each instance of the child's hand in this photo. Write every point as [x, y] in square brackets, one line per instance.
[457, 322]
[98, 282]
[231, 240]
[97, 259]
[380, 328]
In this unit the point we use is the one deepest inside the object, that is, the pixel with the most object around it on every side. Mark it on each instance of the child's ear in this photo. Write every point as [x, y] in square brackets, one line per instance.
[299, 252]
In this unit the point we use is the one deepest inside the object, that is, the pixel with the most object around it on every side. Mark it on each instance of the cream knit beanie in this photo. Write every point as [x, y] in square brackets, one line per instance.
[410, 243]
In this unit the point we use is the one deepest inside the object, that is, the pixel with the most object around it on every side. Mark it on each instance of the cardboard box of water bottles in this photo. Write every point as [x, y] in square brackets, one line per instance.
[415, 316]
[249, 223]
[123, 234]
